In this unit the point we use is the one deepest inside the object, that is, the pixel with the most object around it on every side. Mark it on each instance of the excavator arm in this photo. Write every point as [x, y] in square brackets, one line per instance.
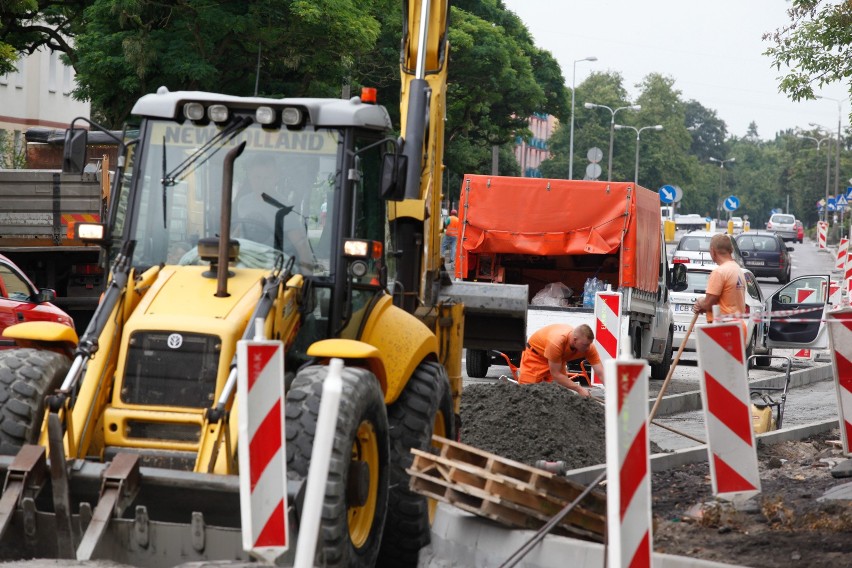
[416, 219]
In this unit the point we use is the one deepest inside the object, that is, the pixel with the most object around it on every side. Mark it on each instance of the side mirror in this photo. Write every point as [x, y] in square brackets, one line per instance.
[74, 152]
[394, 166]
[44, 295]
[677, 278]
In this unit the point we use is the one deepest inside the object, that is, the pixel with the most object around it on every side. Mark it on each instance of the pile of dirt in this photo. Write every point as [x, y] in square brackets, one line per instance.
[785, 525]
[528, 423]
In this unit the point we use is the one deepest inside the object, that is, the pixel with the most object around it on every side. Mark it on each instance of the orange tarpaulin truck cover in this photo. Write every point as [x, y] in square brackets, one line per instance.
[561, 217]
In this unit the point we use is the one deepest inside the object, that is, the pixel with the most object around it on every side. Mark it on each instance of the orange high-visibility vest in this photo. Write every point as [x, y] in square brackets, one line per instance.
[452, 229]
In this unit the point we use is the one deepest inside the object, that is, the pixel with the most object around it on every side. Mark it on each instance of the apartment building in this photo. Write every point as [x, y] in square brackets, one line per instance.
[38, 93]
[531, 152]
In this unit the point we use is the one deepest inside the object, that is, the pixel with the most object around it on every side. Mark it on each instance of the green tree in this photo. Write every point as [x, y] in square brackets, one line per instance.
[813, 48]
[306, 48]
[29, 25]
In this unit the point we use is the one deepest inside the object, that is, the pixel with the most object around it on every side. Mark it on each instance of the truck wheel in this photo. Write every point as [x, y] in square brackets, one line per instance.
[356, 498]
[26, 376]
[477, 362]
[764, 361]
[660, 371]
[424, 408]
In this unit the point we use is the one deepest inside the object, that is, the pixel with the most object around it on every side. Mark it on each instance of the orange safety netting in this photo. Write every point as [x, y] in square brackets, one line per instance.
[560, 217]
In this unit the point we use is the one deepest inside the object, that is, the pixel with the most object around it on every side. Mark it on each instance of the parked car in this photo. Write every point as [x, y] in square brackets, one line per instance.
[784, 224]
[765, 254]
[682, 302]
[21, 301]
[694, 249]
[800, 231]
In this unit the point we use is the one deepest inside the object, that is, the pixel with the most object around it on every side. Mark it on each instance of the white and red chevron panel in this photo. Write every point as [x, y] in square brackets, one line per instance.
[630, 539]
[727, 411]
[608, 327]
[840, 334]
[262, 455]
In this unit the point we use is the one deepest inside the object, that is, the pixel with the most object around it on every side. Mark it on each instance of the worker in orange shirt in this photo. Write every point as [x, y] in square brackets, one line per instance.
[551, 348]
[726, 284]
[450, 240]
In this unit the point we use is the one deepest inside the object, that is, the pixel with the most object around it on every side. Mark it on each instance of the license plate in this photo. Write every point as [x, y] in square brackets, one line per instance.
[683, 307]
[678, 328]
[755, 262]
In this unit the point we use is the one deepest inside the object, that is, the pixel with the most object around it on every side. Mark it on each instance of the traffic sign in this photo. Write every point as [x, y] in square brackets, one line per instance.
[732, 203]
[668, 194]
[594, 155]
[776, 210]
[678, 194]
[849, 193]
[841, 202]
[593, 171]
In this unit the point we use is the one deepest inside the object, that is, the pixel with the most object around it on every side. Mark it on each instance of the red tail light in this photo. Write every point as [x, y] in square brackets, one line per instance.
[781, 259]
[680, 260]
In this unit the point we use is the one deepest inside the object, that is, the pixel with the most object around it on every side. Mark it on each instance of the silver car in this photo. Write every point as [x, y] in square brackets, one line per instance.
[682, 302]
[693, 249]
[784, 225]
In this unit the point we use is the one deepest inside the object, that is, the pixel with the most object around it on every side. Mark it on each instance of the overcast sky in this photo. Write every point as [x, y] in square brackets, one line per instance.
[711, 49]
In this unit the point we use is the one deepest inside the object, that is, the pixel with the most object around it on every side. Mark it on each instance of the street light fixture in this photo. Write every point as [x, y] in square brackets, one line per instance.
[721, 173]
[827, 169]
[612, 129]
[571, 144]
[638, 132]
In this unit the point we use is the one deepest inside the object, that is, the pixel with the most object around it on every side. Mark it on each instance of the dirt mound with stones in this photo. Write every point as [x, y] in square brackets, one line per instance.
[528, 423]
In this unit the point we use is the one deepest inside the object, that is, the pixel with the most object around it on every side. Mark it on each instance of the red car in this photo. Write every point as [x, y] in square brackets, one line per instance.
[21, 301]
[800, 231]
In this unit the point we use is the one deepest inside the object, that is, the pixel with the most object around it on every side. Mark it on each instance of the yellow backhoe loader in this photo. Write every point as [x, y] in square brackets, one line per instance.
[304, 217]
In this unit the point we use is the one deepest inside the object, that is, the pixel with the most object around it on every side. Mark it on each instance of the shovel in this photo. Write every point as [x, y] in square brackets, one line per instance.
[675, 361]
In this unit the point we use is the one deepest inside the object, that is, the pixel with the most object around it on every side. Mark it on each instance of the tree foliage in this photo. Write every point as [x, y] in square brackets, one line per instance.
[814, 48]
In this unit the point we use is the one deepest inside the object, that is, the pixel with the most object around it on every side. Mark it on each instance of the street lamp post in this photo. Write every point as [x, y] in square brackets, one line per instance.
[837, 156]
[571, 144]
[638, 132]
[612, 129]
[721, 173]
[827, 170]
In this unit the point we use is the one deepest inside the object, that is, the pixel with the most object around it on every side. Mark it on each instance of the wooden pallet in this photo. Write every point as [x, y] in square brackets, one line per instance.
[505, 491]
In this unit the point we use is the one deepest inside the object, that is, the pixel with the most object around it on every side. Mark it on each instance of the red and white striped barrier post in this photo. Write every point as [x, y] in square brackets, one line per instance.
[262, 455]
[822, 234]
[608, 328]
[840, 335]
[842, 252]
[628, 464]
[727, 411]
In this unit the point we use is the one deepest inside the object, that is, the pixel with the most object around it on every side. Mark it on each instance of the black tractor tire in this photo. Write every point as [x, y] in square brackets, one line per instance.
[424, 408]
[477, 362]
[350, 533]
[26, 376]
[659, 371]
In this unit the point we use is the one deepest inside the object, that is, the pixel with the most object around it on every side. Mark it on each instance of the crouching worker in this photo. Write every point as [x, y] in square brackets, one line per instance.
[551, 348]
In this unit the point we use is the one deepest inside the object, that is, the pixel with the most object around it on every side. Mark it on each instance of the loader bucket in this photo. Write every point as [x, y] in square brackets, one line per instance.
[495, 315]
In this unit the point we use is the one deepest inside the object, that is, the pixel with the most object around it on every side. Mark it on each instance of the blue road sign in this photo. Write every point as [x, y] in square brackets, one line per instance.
[848, 193]
[668, 194]
[732, 203]
[841, 202]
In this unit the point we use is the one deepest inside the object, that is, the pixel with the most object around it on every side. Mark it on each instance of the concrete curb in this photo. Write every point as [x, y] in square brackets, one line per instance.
[696, 454]
[689, 401]
[461, 539]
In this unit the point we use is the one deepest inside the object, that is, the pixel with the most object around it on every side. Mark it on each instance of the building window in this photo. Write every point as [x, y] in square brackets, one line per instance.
[51, 72]
[66, 80]
[19, 74]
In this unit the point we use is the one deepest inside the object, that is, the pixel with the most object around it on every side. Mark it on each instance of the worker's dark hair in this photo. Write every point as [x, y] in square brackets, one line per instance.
[585, 331]
[722, 243]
